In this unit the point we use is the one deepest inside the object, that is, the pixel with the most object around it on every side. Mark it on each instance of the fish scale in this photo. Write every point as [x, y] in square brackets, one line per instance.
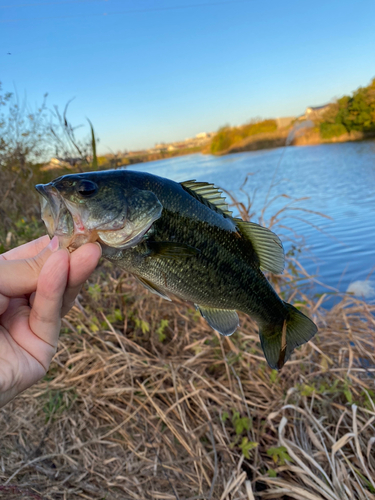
[180, 239]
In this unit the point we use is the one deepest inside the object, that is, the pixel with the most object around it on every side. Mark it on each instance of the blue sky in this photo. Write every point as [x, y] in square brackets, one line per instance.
[146, 71]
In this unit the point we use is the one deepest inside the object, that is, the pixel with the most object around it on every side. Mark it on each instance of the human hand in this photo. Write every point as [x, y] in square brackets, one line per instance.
[38, 285]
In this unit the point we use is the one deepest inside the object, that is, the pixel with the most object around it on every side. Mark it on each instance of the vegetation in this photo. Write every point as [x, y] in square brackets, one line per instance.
[350, 118]
[227, 136]
[355, 113]
[143, 400]
[330, 130]
[115, 160]
[28, 138]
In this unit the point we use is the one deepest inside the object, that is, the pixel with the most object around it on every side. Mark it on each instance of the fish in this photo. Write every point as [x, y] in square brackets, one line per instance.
[180, 239]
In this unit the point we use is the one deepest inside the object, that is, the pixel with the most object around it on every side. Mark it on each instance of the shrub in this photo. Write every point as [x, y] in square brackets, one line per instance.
[226, 136]
[222, 140]
[330, 130]
[351, 113]
[28, 138]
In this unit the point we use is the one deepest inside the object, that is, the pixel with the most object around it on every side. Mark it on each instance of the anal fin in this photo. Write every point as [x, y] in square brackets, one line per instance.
[225, 321]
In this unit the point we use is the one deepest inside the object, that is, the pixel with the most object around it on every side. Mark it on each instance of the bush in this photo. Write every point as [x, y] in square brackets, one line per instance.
[222, 140]
[28, 139]
[351, 113]
[330, 130]
[227, 136]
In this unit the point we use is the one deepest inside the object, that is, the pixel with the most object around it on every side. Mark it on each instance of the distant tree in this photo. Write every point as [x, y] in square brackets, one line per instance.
[352, 113]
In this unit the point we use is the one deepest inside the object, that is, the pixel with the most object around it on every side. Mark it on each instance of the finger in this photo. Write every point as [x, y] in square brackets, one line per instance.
[45, 315]
[31, 299]
[4, 302]
[83, 261]
[29, 356]
[20, 276]
[27, 250]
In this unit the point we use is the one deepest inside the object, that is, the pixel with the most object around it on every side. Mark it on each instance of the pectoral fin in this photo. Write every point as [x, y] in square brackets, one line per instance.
[151, 287]
[225, 321]
[170, 250]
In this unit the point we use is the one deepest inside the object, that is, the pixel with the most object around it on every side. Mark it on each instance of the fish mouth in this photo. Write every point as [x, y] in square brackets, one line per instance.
[54, 212]
[59, 219]
[71, 224]
[77, 223]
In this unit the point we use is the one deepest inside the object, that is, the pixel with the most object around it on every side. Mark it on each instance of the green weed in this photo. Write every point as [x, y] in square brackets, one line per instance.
[279, 455]
[160, 331]
[58, 402]
[143, 325]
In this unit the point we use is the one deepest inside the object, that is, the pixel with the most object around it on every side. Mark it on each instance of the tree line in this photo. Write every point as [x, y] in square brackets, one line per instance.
[351, 113]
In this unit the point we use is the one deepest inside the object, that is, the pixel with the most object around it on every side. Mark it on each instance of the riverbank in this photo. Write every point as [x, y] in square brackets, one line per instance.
[141, 157]
[143, 400]
[308, 137]
[256, 142]
[267, 140]
[312, 137]
[350, 118]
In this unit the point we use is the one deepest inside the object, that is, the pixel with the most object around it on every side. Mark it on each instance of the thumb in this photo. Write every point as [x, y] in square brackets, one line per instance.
[18, 277]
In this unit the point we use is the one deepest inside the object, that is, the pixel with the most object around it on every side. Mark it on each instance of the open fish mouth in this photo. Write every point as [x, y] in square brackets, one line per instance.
[122, 226]
[60, 220]
[54, 212]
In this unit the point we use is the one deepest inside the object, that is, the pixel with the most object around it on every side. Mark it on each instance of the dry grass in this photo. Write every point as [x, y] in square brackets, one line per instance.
[144, 401]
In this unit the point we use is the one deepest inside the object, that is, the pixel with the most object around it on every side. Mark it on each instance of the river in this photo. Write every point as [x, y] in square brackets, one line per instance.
[337, 180]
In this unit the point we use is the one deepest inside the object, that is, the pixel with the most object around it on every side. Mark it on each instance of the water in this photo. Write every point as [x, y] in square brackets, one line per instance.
[337, 179]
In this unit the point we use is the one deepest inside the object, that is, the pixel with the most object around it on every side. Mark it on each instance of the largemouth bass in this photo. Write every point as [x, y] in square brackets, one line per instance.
[180, 239]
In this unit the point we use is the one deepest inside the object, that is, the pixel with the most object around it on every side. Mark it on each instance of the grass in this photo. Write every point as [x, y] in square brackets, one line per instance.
[144, 401]
[228, 136]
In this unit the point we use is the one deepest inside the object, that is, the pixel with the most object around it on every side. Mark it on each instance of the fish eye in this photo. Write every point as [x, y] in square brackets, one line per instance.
[87, 188]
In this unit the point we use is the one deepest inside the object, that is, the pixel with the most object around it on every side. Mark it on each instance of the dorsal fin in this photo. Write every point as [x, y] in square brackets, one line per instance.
[267, 245]
[207, 194]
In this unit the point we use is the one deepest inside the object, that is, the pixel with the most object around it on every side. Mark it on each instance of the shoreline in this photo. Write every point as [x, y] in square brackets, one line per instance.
[278, 139]
[256, 143]
[271, 140]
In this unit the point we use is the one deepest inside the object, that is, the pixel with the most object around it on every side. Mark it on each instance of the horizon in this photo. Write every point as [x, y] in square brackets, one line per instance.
[146, 73]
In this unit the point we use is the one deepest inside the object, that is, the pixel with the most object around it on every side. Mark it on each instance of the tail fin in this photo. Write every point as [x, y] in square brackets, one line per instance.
[278, 342]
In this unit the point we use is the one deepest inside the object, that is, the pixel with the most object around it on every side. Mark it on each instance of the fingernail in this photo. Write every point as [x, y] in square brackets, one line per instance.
[99, 245]
[53, 245]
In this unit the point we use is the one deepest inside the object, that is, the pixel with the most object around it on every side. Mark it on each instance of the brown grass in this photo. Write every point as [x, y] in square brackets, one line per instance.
[144, 401]
[124, 413]
[265, 140]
